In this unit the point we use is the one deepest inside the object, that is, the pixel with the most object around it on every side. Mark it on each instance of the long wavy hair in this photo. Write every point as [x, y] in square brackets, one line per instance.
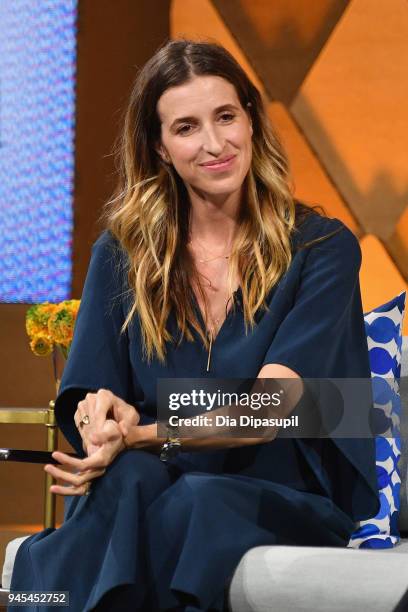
[149, 211]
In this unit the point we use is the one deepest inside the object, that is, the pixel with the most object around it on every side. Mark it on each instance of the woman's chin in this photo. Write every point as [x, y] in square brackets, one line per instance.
[217, 189]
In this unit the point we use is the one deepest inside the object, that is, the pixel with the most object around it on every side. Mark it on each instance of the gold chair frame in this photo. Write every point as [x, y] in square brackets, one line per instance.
[38, 416]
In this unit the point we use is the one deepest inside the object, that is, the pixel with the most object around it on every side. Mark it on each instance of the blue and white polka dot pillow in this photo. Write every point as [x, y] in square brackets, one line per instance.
[384, 338]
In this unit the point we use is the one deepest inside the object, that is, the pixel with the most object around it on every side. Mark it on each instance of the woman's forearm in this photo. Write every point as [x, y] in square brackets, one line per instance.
[146, 437]
[222, 427]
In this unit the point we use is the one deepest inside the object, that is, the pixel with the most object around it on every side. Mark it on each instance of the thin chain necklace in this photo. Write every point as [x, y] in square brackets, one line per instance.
[206, 250]
[211, 334]
[213, 321]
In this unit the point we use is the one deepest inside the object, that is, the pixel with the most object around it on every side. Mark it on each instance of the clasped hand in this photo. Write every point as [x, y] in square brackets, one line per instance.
[110, 419]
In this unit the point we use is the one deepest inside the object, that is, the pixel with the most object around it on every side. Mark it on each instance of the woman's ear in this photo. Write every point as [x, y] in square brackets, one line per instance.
[163, 153]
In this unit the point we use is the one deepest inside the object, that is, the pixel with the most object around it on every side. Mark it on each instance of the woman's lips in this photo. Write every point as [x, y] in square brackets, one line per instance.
[225, 165]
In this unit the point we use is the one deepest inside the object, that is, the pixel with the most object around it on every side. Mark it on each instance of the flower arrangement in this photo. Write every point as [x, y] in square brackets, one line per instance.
[50, 326]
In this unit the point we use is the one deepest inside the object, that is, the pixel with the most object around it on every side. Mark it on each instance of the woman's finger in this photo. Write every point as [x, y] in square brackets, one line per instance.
[103, 436]
[79, 413]
[103, 404]
[73, 478]
[123, 428]
[86, 408]
[91, 448]
[62, 490]
[125, 412]
[109, 433]
[94, 461]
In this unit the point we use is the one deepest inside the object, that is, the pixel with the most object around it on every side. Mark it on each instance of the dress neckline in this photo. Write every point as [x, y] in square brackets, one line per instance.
[237, 295]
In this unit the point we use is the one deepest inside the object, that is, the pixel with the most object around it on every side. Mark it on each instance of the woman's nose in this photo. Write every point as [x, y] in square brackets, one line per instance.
[212, 140]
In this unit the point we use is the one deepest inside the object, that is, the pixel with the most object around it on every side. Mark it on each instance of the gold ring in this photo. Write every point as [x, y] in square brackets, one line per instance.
[84, 421]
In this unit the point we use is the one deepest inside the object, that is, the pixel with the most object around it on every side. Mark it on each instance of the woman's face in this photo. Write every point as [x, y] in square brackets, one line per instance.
[206, 135]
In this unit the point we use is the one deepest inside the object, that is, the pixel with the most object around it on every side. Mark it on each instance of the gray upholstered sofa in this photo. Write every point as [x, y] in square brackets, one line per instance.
[316, 579]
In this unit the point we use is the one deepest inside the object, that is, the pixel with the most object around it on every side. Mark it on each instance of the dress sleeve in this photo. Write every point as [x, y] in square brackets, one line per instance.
[99, 354]
[323, 336]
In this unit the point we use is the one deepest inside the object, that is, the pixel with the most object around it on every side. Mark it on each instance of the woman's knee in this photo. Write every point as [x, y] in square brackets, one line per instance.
[199, 484]
[137, 469]
[190, 489]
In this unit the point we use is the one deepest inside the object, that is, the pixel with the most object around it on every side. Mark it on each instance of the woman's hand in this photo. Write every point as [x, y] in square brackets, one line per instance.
[98, 407]
[81, 472]
[102, 438]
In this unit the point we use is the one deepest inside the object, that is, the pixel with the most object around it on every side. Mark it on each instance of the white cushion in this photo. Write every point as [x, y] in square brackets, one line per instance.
[11, 551]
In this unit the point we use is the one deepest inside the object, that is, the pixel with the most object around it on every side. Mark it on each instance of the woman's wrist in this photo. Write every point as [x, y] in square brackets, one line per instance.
[143, 436]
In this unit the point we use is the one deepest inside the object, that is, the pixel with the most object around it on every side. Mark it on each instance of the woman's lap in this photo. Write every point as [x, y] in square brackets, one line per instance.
[100, 541]
[199, 529]
[174, 538]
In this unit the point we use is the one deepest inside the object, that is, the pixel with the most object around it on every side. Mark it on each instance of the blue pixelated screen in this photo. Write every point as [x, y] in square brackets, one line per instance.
[37, 112]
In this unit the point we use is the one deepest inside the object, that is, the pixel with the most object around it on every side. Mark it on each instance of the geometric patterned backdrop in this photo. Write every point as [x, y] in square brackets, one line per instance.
[37, 129]
[334, 75]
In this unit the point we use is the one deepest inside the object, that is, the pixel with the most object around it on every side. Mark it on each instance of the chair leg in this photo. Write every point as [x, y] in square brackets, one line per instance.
[52, 439]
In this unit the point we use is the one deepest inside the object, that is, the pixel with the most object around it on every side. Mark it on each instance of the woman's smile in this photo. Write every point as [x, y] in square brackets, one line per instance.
[219, 166]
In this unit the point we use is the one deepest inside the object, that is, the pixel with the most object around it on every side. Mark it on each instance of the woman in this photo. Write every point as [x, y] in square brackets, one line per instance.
[208, 268]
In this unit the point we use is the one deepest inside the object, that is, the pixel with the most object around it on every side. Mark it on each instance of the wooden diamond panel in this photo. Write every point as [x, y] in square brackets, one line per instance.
[352, 108]
[346, 129]
[311, 182]
[379, 278]
[198, 19]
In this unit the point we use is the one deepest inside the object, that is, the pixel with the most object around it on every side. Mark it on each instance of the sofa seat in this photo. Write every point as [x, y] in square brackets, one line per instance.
[306, 578]
[319, 579]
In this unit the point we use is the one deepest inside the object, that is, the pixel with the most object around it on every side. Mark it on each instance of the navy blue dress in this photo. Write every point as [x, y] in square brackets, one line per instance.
[152, 536]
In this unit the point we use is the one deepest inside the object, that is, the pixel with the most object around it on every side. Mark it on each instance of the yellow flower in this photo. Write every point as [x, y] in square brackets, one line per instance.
[41, 345]
[37, 318]
[33, 328]
[62, 321]
[48, 324]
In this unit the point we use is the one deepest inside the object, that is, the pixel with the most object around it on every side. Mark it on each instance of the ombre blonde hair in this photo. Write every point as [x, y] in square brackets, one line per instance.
[149, 211]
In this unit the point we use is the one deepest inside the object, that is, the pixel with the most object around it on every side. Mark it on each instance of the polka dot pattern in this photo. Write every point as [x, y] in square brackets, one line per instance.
[384, 338]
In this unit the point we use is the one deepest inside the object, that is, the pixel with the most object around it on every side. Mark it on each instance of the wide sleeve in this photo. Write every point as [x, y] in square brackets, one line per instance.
[323, 336]
[99, 354]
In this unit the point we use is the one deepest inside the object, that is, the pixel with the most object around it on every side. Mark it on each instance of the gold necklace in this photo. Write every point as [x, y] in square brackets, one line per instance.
[210, 333]
[209, 354]
[206, 250]
[216, 321]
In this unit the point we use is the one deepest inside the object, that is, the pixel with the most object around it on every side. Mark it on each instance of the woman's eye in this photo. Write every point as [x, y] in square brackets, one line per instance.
[187, 127]
[184, 129]
[227, 116]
